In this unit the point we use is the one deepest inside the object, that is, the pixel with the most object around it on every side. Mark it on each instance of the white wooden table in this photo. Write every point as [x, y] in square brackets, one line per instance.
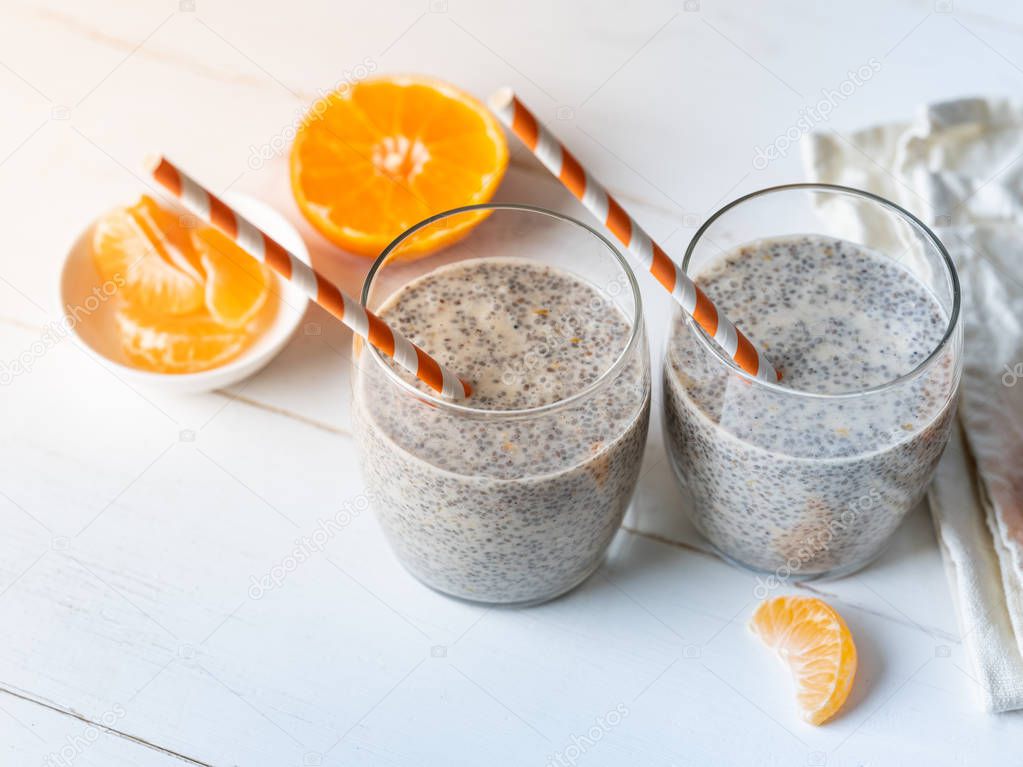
[135, 524]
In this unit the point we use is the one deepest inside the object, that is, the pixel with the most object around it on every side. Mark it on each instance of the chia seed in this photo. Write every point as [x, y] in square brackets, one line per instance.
[812, 486]
[505, 507]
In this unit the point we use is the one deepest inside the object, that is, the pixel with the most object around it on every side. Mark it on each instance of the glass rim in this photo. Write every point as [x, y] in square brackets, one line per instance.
[898, 210]
[438, 401]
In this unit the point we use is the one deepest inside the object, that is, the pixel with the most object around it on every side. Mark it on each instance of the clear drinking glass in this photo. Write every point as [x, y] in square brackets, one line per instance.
[796, 483]
[497, 504]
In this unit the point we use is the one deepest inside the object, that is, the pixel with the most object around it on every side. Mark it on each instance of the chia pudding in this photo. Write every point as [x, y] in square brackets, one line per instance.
[781, 478]
[515, 497]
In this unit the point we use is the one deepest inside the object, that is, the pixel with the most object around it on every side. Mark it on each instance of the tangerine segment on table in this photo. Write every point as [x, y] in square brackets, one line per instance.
[370, 161]
[190, 299]
[813, 640]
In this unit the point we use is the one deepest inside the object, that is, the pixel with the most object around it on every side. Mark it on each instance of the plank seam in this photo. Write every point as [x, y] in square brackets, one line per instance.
[58, 709]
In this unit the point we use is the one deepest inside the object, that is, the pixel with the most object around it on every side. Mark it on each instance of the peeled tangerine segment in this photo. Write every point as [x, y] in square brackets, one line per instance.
[237, 285]
[147, 253]
[813, 640]
[176, 343]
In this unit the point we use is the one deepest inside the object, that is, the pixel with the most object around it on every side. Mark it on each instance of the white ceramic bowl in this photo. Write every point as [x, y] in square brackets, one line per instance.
[91, 320]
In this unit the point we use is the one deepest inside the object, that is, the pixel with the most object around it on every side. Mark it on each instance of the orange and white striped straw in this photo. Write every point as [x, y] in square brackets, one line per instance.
[261, 246]
[595, 198]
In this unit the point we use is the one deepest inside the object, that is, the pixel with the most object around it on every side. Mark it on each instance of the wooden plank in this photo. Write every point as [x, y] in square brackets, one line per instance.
[135, 523]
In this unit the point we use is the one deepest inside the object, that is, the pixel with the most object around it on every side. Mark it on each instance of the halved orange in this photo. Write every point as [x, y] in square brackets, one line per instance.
[811, 637]
[146, 251]
[370, 161]
[183, 343]
[237, 285]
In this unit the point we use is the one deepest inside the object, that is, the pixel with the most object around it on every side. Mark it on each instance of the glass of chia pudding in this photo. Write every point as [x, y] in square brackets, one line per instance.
[856, 303]
[513, 495]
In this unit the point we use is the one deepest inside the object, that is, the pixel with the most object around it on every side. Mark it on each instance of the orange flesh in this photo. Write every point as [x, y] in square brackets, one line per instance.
[372, 161]
[190, 300]
[813, 640]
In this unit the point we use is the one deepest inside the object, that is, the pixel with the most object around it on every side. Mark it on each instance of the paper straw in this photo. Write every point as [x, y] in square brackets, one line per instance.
[560, 162]
[262, 247]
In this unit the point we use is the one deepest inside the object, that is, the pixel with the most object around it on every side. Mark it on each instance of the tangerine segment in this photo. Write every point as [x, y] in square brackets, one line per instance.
[813, 640]
[184, 343]
[372, 160]
[237, 285]
[147, 252]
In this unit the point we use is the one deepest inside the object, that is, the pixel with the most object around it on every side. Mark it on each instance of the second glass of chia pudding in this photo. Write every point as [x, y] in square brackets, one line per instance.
[513, 495]
[856, 303]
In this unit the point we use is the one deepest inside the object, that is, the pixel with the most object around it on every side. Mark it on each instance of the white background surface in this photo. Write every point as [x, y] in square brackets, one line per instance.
[133, 522]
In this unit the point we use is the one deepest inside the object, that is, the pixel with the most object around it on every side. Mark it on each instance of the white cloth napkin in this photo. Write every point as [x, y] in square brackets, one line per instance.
[959, 167]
